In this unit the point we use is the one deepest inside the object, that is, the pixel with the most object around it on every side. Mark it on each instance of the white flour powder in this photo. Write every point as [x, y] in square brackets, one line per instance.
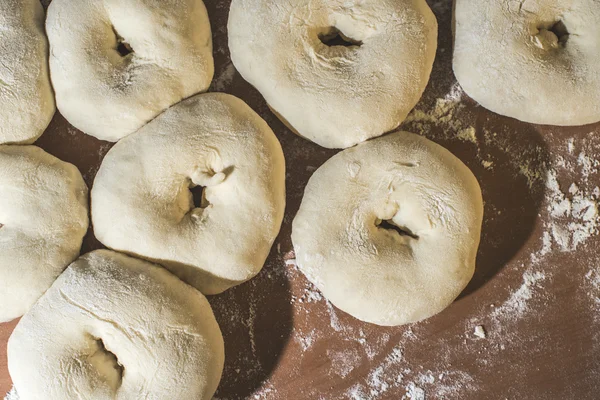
[12, 395]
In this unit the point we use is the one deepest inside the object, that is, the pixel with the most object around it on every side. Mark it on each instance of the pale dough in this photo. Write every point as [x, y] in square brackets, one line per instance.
[142, 204]
[43, 219]
[335, 96]
[116, 328]
[362, 266]
[26, 97]
[108, 95]
[537, 60]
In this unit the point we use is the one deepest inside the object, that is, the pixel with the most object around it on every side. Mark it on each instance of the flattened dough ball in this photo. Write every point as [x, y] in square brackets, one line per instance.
[117, 328]
[389, 230]
[43, 219]
[537, 60]
[215, 238]
[117, 64]
[26, 97]
[337, 72]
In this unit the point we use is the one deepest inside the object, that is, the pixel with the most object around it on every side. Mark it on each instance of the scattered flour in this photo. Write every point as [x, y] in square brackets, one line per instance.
[479, 331]
[344, 362]
[356, 393]
[574, 215]
[291, 262]
[264, 394]
[450, 119]
[516, 306]
[334, 321]
[588, 165]
[451, 384]
[223, 81]
[380, 380]
[394, 372]
[311, 295]
[444, 113]
[12, 395]
[468, 135]
[307, 340]
[572, 219]
[414, 392]
[592, 279]
[250, 324]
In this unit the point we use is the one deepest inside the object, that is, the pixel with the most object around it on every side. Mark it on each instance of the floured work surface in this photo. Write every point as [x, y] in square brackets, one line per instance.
[527, 326]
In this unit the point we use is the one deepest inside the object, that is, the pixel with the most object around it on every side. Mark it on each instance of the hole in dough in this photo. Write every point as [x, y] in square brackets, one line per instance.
[107, 364]
[391, 226]
[334, 37]
[552, 36]
[199, 196]
[560, 31]
[123, 48]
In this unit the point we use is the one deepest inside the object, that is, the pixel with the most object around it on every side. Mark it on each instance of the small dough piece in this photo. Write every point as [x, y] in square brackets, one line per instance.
[43, 219]
[537, 60]
[117, 64]
[26, 97]
[389, 230]
[333, 94]
[142, 203]
[116, 328]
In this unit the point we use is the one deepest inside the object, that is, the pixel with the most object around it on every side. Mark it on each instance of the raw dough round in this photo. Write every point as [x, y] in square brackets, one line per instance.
[535, 60]
[116, 328]
[142, 204]
[109, 92]
[43, 219]
[366, 267]
[335, 95]
[26, 97]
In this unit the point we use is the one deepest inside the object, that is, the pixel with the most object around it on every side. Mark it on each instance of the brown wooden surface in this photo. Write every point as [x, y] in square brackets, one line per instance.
[5, 330]
[540, 309]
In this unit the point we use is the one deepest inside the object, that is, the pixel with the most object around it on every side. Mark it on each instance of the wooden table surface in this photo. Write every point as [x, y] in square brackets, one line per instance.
[536, 291]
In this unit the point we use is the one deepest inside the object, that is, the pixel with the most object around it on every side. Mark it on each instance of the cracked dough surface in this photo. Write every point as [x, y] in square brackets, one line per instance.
[142, 204]
[379, 275]
[114, 327]
[43, 219]
[335, 96]
[26, 97]
[534, 60]
[110, 96]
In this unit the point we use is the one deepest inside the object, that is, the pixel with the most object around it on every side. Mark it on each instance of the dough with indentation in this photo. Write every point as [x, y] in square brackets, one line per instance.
[43, 219]
[110, 96]
[335, 96]
[142, 205]
[116, 328]
[381, 275]
[26, 97]
[537, 60]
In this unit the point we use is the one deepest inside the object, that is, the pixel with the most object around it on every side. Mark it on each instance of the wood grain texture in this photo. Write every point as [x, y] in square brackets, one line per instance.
[5, 331]
[538, 305]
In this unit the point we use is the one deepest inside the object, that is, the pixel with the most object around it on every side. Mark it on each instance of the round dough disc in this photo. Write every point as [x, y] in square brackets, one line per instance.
[117, 64]
[389, 229]
[337, 72]
[43, 219]
[219, 237]
[116, 328]
[26, 97]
